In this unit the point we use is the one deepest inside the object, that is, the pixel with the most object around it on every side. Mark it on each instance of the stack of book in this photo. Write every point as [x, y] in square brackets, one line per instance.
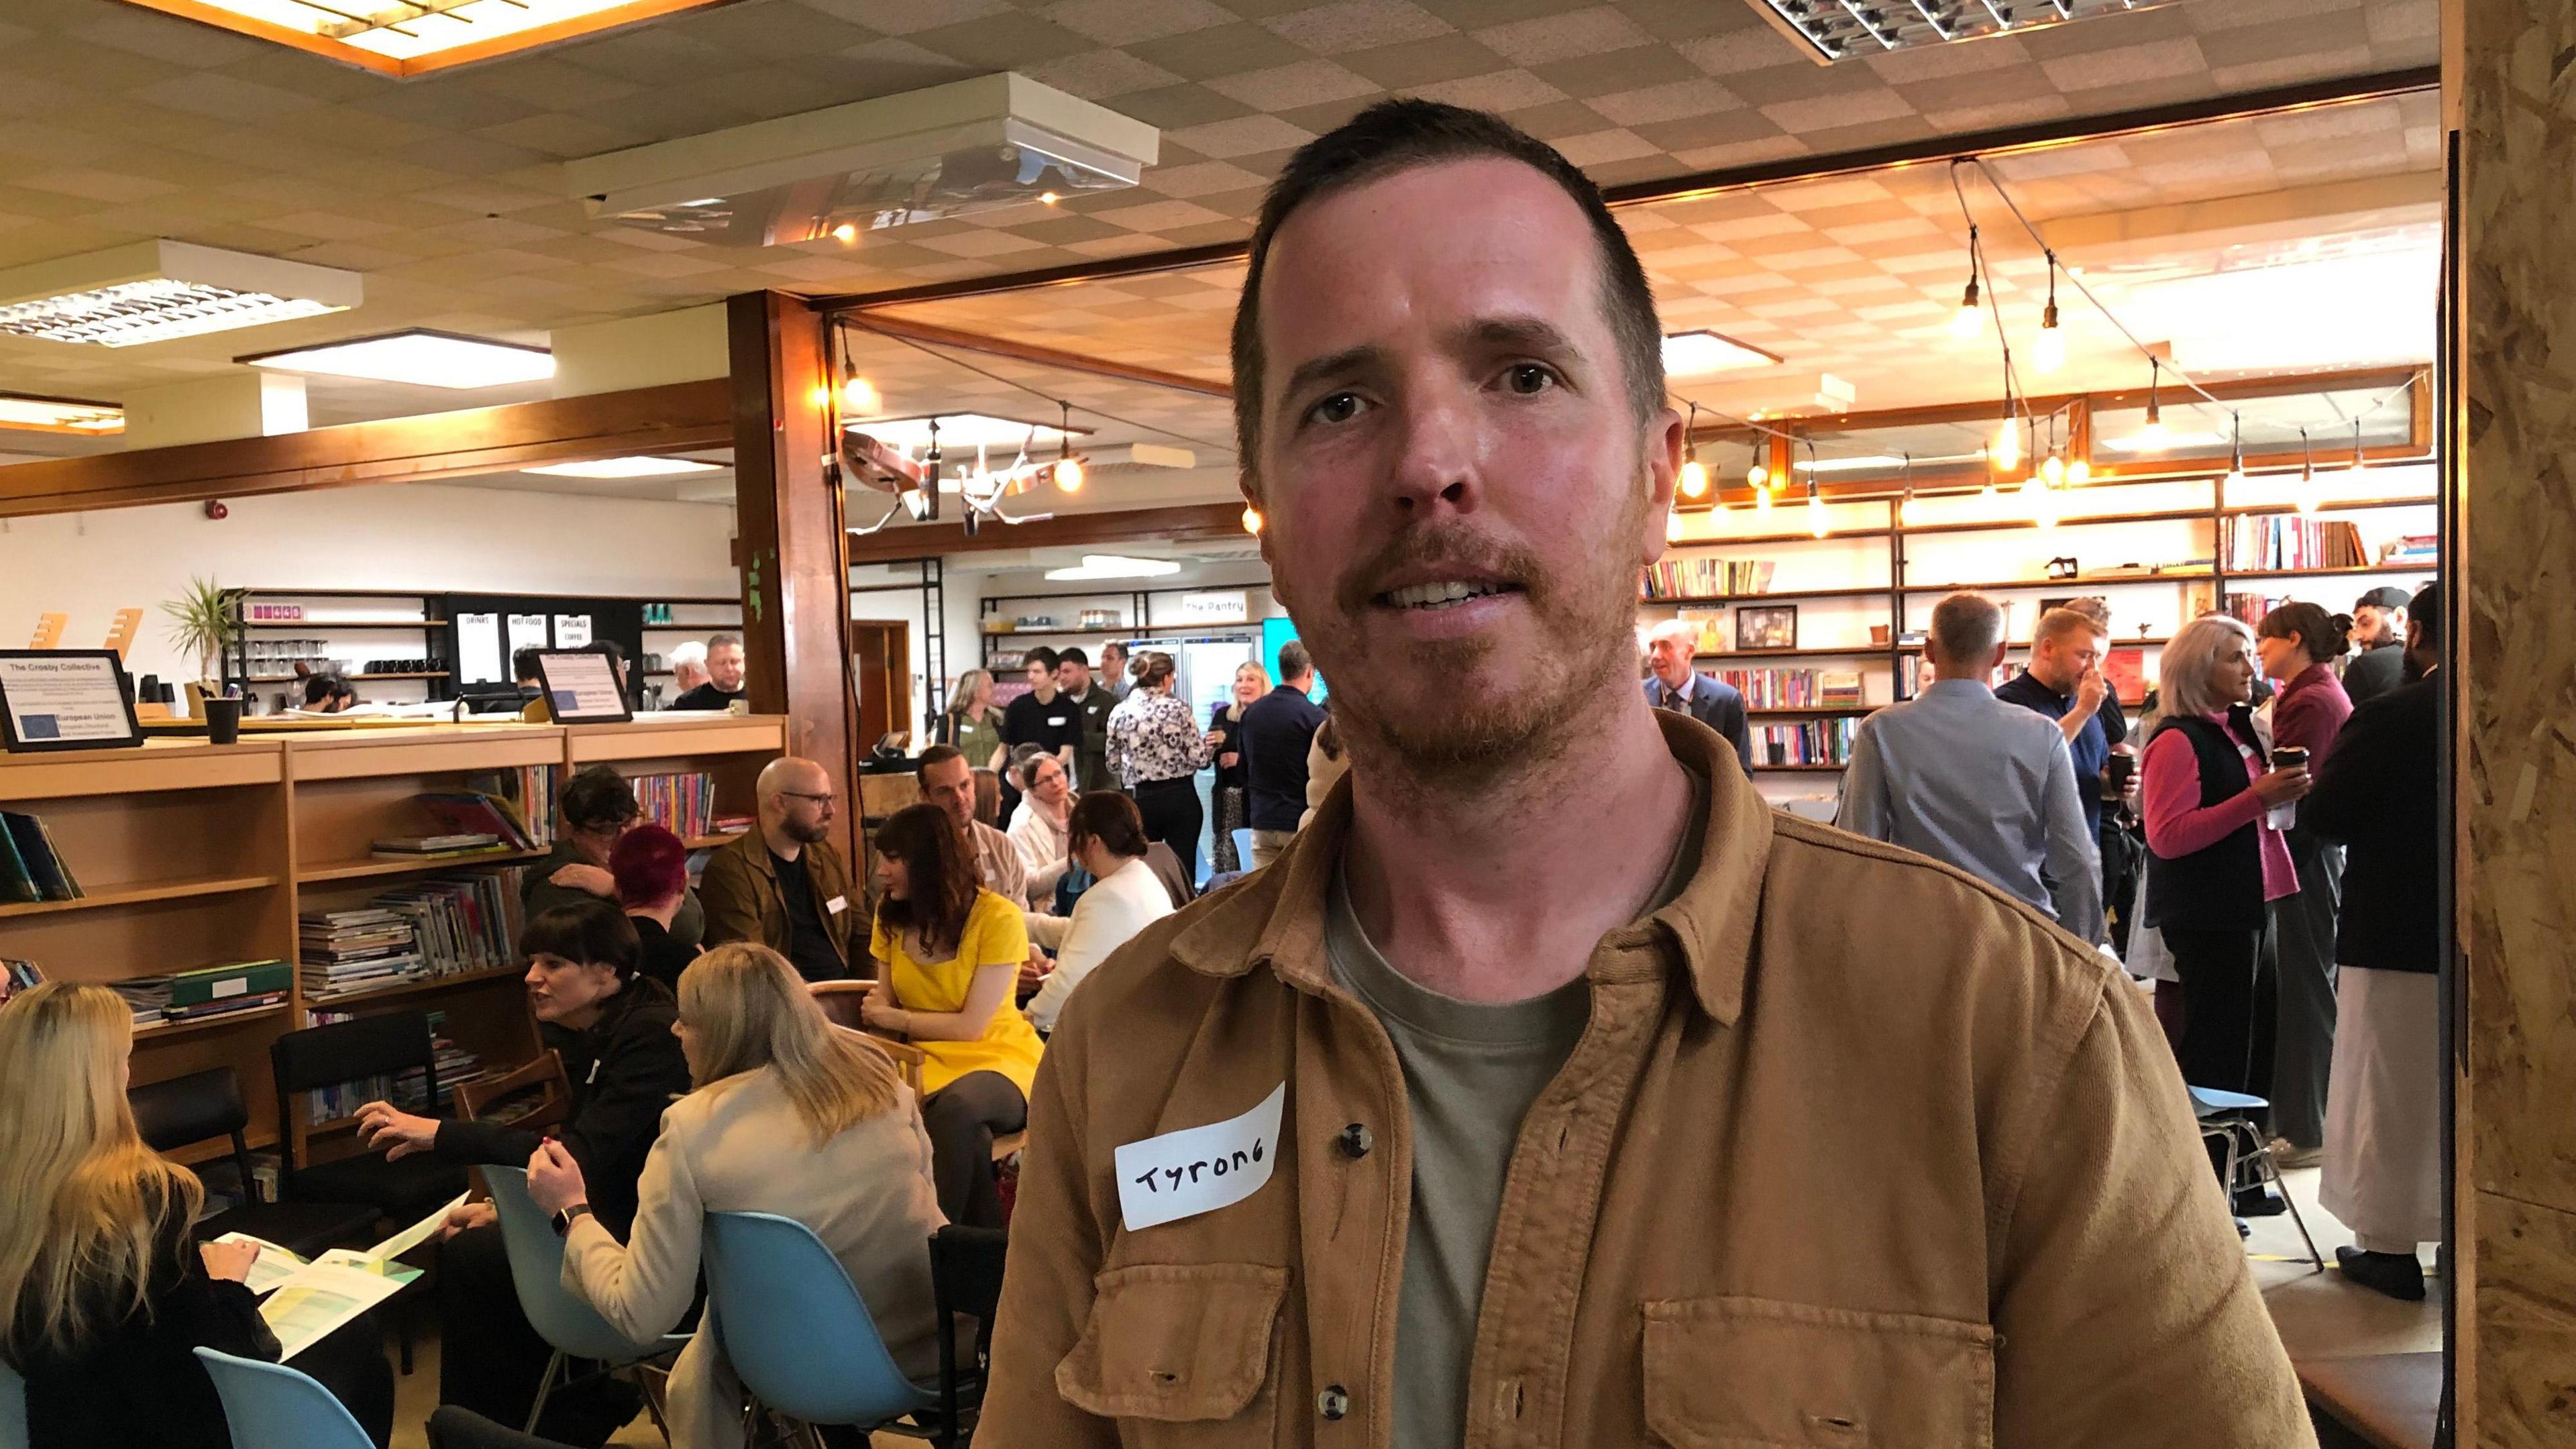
[2414, 548]
[1839, 688]
[30, 868]
[464, 923]
[514, 807]
[148, 997]
[684, 805]
[1813, 742]
[223, 990]
[1773, 688]
[2288, 541]
[355, 950]
[435, 845]
[1704, 578]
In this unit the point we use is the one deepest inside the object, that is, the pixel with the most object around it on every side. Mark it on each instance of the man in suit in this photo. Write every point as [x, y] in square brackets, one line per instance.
[2379, 627]
[1675, 685]
[2379, 793]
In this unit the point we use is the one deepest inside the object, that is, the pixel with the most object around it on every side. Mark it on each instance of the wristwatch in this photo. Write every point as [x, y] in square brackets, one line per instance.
[565, 1219]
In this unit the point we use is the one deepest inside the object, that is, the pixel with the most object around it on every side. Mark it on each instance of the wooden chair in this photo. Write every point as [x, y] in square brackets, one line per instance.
[841, 1000]
[536, 1094]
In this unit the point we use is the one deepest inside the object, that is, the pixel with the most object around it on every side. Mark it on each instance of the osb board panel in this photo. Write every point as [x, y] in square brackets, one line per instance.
[2519, 791]
[2526, 1382]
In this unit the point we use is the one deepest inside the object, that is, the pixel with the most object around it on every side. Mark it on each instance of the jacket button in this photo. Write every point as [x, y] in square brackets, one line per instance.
[1333, 1402]
[1356, 1141]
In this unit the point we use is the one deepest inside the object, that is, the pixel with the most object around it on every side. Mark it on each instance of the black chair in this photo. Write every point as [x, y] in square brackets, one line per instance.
[965, 1278]
[184, 1111]
[391, 1045]
[453, 1428]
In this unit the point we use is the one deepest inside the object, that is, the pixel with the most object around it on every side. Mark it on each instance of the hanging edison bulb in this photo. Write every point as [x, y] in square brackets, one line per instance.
[1068, 474]
[2007, 449]
[860, 398]
[2052, 470]
[1693, 482]
[1818, 522]
[2048, 350]
[1965, 321]
[2078, 473]
[2307, 496]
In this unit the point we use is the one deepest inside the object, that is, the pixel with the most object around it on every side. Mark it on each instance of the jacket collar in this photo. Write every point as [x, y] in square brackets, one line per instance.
[1276, 917]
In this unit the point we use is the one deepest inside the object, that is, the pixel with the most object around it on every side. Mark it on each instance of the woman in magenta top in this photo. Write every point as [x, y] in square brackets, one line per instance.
[2215, 864]
[2299, 644]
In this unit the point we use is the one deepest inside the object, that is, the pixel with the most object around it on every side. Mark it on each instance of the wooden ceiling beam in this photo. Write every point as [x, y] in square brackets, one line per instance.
[935, 335]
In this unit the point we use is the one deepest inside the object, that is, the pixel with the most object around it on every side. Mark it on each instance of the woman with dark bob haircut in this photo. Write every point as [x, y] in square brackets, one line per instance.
[2299, 644]
[613, 1028]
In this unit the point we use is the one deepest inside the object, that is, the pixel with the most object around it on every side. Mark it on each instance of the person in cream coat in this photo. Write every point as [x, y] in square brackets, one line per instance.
[1107, 835]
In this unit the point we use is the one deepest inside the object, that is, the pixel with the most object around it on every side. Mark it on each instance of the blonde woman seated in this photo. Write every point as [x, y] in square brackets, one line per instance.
[105, 1291]
[793, 1116]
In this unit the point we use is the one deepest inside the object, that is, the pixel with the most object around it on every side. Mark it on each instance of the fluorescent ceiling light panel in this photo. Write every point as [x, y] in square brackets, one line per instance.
[59, 415]
[1116, 566]
[1696, 354]
[626, 468]
[410, 37]
[430, 359]
[156, 290]
[967, 431]
[1835, 30]
[950, 150]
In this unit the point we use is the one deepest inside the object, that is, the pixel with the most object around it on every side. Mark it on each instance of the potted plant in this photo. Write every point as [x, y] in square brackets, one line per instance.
[206, 621]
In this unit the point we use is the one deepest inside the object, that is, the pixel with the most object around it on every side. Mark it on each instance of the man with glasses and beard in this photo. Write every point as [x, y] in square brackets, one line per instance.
[1551, 1087]
[782, 883]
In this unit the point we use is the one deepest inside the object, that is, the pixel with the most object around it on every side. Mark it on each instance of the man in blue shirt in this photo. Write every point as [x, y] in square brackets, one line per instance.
[1277, 730]
[1674, 685]
[2064, 682]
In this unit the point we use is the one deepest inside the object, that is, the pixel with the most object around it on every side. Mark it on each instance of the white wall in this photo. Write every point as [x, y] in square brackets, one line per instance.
[399, 536]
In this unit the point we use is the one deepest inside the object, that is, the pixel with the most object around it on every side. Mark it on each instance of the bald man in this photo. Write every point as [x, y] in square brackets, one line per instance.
[783, 884]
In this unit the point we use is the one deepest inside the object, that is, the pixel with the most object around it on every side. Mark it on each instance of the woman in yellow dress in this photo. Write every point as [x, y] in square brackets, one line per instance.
[948, 956]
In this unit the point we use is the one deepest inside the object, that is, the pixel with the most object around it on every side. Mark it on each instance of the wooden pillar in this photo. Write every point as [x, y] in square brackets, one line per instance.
[2512, 116]
[793, 552]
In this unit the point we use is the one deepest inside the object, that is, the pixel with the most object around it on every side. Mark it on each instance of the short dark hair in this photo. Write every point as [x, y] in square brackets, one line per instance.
[2322, 636]
[597, 795]
[322, 688]
[1110, 818]
[611, 650]
[1400, 135]
[1113, 644]
[2386, 596]
[523, 665]
[1294, 661]
[593, 932]
[1074, 656]
[935, 755]
[650, 865]
[2424, 612]
[1038, 654]
[723, 641]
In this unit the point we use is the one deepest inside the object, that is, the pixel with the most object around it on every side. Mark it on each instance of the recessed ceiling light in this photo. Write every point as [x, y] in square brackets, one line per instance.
[157, 290]
[410, 37]
[1694, 354]
[1116, 566]
[626, 468]
[960, 430]
[59, 415]
[431, 359]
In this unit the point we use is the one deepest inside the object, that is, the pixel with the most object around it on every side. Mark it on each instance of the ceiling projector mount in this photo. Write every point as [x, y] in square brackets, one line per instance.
[951, 150]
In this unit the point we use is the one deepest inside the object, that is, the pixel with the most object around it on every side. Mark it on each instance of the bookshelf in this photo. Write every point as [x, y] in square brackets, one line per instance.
[193, 854]
[2158, 550]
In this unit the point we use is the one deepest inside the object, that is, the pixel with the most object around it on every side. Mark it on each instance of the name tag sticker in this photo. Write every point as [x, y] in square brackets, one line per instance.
[837, 904]
[1058, 721]
[1199, 1169]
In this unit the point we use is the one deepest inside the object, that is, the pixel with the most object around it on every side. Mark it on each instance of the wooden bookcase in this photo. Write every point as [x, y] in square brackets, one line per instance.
[194, 854]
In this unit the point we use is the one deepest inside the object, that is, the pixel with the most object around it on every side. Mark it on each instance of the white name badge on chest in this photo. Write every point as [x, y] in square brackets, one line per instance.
[1199, 1169]
[837, 904]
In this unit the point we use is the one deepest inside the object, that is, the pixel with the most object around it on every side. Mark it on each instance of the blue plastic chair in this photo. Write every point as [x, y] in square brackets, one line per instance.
[796, 1332]
[1243, 851]
[13, 1409]
[574, 1328]
[2228, 1117]
[269, 1403]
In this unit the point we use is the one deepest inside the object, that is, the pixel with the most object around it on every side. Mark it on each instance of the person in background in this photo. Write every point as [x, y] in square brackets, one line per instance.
[1113, 667]
[1277, 736]
[1326, 763]
[948, 953]
[2064, 681]
[1974, 782]
[724, 676]
[651, 868]
[1043, 716]
[688, 663]
[2216, 865]
[2379, 627]
[971, 723]
[532, 686]
[2299, 645]
[788, 1116]
[612, 1027]
[1157, 750]
[2379, 794]
[615, 654]
[947, 783]
[1108, 837]
[1672, 684]
[104, 1289]
[988, 799]
[1225, 736]
[597, 807]
[1093, 703]
[782, 883]
[1040, 829]
[328, 693]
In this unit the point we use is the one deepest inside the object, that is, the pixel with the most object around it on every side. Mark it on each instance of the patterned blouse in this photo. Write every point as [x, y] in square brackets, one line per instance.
[1155, 737]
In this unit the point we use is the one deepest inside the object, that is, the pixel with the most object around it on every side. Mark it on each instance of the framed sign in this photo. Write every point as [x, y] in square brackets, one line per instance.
[582, 687]
[65, 699]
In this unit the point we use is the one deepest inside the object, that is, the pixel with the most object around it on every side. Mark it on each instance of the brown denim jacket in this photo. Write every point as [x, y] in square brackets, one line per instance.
[740, 891]
[1855, 1151]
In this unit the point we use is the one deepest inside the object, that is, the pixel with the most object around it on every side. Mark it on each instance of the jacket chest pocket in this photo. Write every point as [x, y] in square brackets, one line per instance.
[1181, 1354]
[1758, 1373]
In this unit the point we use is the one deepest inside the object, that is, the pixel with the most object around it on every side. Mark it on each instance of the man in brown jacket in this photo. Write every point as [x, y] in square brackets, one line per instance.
[783, 885]
[1551, 1090]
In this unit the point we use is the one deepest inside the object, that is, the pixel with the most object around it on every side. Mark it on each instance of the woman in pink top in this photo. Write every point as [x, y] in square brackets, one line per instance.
[2298, 644]
[2215, 864]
